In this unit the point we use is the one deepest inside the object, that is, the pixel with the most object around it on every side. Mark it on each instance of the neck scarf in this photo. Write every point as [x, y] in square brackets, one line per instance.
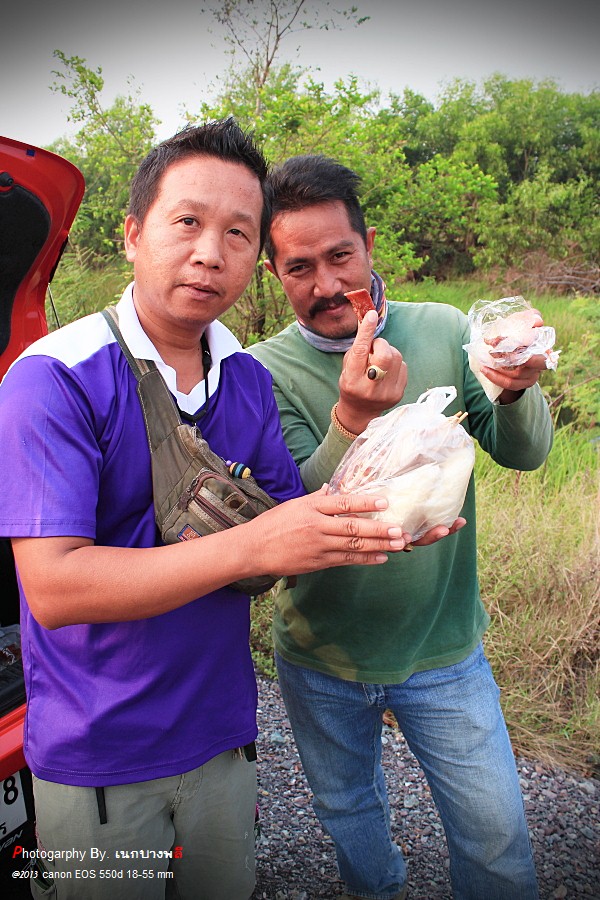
[340, 345]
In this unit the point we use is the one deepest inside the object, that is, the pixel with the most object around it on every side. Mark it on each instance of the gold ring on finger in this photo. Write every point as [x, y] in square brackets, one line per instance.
[375, 373]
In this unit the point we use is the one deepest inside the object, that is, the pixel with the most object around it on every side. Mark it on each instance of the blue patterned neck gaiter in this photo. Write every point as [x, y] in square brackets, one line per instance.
[340, 345]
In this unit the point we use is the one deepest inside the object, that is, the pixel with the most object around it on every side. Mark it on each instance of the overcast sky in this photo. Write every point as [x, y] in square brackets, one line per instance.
[175, 61]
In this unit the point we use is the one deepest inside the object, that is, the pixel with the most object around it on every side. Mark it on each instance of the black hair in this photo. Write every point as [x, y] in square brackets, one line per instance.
[223, 139]
[306, 180]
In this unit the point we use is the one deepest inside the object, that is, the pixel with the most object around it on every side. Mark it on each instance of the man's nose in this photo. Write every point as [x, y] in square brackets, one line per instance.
[208, 250]
[327, 283]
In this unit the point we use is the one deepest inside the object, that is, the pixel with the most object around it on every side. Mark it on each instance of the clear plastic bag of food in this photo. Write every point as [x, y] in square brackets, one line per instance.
[506, 333]
[417, 458]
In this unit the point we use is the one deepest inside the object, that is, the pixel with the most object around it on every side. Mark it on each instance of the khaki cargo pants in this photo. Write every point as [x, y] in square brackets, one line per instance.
[187, 837]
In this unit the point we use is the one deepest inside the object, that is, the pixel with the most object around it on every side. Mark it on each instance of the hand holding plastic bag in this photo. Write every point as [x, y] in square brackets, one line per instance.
[415, 457]
[504, 334]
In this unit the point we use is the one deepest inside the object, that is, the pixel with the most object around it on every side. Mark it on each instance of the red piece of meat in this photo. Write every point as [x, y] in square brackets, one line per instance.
[361, 302]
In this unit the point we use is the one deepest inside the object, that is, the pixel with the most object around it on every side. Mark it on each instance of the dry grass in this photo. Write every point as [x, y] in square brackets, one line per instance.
[539, 564]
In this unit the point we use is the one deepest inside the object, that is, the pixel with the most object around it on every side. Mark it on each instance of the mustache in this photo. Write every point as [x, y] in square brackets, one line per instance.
[324, 303]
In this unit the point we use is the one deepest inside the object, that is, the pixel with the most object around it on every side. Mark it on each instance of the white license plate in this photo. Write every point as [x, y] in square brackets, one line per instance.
[12, 805]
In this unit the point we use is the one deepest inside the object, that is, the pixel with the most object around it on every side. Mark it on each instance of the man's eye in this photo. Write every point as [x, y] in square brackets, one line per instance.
[188, 220]
[297, 270]
[342, 255]
[236, 231]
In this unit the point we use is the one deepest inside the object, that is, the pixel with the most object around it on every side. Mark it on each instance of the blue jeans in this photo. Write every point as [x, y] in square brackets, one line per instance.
[452, 722]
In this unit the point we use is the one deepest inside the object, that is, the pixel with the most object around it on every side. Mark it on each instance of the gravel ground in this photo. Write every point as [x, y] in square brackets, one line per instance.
[296, 860]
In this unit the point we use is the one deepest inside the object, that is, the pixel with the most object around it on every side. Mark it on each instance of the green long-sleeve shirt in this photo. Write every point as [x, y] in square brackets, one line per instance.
[420, 610]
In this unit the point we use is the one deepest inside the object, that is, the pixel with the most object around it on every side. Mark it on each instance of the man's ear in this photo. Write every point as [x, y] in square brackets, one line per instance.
[131, 234]
[269, 265]
[370, 239]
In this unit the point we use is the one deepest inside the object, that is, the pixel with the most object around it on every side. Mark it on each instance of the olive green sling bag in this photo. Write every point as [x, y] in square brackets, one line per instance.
[195, 492]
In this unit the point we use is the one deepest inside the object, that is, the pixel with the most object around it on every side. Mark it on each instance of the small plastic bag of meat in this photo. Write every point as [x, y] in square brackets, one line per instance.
[506, 333]
[417, 458]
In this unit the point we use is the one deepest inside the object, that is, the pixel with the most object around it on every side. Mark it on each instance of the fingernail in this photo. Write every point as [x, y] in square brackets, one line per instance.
[395, 532]
[381, 503]
[381, 558]
[397, 545]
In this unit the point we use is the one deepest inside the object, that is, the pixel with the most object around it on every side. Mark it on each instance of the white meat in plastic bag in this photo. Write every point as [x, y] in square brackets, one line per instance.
[417, 458]
[506, 333]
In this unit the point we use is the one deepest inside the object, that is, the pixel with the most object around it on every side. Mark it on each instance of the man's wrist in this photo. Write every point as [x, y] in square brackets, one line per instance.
[355, 418]
[339, 426]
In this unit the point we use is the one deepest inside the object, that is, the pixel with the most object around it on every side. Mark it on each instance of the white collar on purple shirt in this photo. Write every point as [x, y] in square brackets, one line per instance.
[221, 341]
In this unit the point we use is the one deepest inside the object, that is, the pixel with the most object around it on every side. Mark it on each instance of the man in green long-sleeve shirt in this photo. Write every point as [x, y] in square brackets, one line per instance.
[406, 635]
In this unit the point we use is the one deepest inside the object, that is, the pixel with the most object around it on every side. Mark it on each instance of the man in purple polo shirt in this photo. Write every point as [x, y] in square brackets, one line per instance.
[140, 685]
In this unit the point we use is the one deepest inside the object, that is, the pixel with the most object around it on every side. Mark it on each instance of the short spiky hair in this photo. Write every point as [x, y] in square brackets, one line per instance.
[223, 139]
[306, 180]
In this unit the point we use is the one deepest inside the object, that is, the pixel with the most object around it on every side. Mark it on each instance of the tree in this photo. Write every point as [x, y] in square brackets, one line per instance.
[442, 222]
[107, 148]
[502, 175]
[559, 219]
[406, 114]
[256, 31]
[542, 149]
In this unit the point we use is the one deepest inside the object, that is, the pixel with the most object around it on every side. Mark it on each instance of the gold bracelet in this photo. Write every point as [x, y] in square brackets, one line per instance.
[338, 425]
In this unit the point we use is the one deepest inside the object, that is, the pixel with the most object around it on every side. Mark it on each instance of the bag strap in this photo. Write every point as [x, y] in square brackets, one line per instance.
[112, 318]
[162, 417]
[152, 390]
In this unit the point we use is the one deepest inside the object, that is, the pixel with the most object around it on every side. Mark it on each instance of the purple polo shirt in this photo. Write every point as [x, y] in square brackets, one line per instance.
[125, 702]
